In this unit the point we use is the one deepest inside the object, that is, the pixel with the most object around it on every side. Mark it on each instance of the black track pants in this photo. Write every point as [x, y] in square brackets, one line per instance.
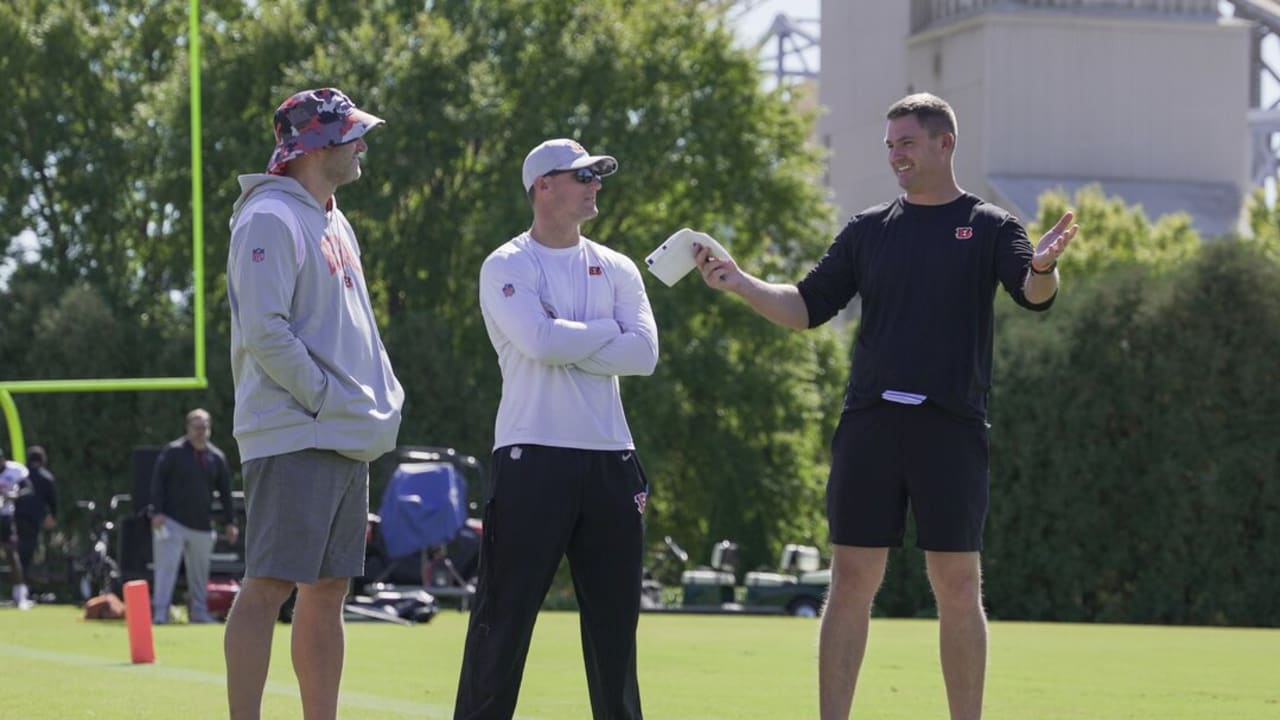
[547, 503]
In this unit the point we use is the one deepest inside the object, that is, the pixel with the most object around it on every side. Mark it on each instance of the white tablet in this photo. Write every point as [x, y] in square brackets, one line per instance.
[673, 259]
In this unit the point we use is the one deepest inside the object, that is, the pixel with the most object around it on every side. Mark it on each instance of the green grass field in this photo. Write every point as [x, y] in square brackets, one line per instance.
[56, 665]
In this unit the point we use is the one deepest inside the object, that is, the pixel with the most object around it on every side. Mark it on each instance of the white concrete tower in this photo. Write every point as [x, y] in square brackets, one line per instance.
[1148, 98]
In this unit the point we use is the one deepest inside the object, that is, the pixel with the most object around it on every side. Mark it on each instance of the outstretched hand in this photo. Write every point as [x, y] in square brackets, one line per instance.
[717, 272]
[1054, 242]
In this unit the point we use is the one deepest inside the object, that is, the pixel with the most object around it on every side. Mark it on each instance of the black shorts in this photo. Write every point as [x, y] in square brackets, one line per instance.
[7, 534]
[891, 457]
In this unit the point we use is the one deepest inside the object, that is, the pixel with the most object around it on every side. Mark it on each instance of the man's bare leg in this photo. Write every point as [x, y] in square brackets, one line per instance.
[319, 646]
[962, 629]
[856, 574]
[247, 643]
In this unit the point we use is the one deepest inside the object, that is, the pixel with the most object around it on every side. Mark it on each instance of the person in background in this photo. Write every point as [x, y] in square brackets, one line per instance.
[187, 473]
[37, 510]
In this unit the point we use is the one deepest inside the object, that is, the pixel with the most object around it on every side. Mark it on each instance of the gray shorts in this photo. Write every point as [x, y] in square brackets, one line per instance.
[306, 514]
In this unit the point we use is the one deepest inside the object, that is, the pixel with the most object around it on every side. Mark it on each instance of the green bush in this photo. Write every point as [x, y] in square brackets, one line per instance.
[1134, 453]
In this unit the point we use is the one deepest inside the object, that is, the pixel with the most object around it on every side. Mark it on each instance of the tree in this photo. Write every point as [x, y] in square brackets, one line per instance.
[1264, 226]
[84, 149]
[733, 426]
[1113, 233]
[1137, 452]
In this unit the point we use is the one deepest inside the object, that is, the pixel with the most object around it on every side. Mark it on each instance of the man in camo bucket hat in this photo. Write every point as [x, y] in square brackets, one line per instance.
[314, 119]
[316, 398]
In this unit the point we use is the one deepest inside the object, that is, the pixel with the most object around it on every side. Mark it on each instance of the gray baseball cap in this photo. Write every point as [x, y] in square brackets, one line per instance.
[563, 154]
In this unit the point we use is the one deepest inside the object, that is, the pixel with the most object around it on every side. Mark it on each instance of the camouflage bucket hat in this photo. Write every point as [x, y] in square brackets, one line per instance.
[315, 119]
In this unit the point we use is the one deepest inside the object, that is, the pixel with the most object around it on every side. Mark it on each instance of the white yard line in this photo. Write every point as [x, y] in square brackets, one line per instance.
[353, 701]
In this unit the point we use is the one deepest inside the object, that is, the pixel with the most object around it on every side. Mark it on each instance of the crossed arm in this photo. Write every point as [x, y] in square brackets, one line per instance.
[635, 351]
[625, 343]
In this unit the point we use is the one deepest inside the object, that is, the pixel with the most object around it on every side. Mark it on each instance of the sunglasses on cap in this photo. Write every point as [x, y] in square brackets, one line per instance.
[584, 175]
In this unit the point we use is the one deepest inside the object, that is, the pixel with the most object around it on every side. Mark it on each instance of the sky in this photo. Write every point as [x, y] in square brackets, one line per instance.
[754, 23]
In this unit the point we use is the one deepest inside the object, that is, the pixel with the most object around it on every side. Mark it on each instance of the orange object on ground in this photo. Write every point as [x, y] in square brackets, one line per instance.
[107, 606]
[137, 614]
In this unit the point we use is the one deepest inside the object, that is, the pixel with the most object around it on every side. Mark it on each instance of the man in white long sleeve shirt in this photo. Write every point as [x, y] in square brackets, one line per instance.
[567, 317]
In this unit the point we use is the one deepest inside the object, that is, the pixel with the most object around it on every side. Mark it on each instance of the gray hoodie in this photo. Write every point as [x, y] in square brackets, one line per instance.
[309, 367]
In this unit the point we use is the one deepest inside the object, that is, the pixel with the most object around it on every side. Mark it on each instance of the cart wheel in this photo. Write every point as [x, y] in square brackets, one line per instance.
[805, 607]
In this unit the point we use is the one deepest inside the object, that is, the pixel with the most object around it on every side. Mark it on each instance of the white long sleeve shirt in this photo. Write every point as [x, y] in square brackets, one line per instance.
[565, 323]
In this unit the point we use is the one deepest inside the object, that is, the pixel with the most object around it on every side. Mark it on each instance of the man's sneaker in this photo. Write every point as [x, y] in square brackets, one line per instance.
[26, 604]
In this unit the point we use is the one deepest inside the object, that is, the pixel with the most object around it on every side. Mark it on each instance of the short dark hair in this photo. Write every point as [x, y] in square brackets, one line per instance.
[934, 113]
[35, 453]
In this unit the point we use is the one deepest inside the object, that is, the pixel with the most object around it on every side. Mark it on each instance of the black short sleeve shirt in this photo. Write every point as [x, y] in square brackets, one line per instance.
[927, 275]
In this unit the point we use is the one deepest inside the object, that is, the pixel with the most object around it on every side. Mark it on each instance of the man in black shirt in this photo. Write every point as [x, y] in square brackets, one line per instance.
[913, 433]
[187, 473]
[37, 509]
